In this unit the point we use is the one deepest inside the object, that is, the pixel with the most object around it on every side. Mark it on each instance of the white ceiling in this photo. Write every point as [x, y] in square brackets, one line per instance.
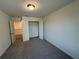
[17, 7]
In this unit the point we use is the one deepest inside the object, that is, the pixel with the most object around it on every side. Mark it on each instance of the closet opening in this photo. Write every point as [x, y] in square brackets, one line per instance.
[33, 29]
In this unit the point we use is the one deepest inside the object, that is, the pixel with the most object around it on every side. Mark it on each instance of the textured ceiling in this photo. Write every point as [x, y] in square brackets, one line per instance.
[17, 7]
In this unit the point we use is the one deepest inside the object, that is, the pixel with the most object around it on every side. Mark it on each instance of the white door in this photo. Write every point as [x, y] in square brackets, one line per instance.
[33, 29]
[12, 32]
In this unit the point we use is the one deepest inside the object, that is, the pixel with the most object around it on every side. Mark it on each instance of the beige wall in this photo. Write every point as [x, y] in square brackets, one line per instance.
[17, 24]
[4, 32]
[61, 28]
[18, 27]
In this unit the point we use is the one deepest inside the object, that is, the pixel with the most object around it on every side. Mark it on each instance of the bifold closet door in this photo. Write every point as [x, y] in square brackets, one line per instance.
[33, 29]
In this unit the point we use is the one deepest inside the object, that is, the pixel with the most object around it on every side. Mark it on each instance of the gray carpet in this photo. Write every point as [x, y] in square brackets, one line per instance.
[34, 49]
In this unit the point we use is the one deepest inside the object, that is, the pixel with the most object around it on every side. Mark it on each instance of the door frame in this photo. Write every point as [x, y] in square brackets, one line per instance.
[10, 31]
[38, 26]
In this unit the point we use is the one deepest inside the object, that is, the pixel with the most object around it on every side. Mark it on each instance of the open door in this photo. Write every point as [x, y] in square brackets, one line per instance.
[16, 30]
[12, 33]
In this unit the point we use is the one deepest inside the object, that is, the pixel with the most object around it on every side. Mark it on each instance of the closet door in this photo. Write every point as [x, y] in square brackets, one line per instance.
[33, 29]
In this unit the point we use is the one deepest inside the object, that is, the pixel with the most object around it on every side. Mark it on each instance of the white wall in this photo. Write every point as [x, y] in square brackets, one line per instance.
[25, 30]
[61, 28]
[41, 28]
[33, 29]
[25, 26]
[4, 32]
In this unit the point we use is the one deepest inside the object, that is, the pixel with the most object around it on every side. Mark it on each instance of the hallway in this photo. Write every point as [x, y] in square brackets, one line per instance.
[34, 49]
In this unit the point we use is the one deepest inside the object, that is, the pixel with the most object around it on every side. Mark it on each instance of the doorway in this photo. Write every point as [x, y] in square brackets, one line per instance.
[33, 29]
[18, 31]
